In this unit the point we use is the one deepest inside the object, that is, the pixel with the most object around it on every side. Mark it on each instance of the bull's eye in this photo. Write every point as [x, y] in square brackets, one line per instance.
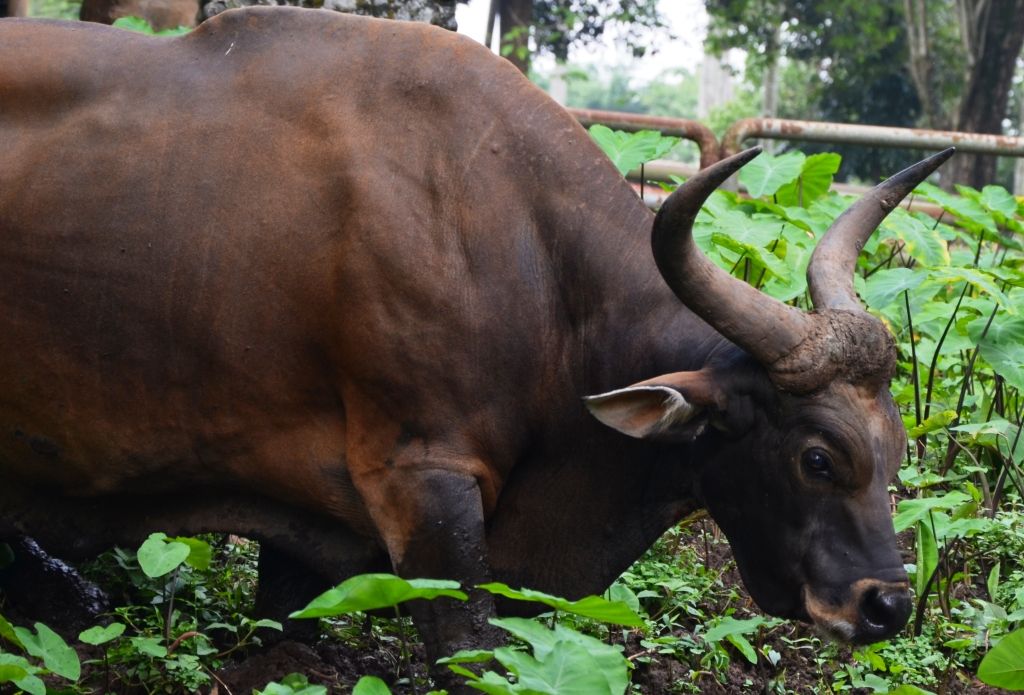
[817, 463]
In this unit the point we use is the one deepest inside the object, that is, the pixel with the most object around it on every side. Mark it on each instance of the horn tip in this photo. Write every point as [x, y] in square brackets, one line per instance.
[747, 154]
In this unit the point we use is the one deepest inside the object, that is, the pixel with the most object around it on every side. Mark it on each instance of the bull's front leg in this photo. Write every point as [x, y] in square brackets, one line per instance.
[430, 515]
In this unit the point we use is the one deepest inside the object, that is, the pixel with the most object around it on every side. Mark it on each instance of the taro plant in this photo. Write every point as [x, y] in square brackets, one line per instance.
[561, 660]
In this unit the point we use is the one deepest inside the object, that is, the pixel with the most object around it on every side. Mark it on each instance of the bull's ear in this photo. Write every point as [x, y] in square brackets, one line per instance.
[673, 407]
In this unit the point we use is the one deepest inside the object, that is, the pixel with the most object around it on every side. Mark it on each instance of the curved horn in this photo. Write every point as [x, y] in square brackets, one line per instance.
[830, 272]
[765, 327]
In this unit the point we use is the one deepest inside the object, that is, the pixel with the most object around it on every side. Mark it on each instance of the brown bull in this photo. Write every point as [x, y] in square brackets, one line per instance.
[342, 283]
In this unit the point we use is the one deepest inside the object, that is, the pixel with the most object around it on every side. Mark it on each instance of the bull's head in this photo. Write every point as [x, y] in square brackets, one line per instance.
[797, 435]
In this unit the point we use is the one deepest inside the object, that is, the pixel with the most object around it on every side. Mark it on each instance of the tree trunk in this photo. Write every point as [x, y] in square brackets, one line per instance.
[13, 8]
[770, 98]
[516, 17]
[1018, 169]
[920, 63]
[986, 96]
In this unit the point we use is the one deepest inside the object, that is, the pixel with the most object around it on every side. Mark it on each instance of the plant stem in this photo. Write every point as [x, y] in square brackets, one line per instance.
[406, 651]
[170, 605]
[968, 371]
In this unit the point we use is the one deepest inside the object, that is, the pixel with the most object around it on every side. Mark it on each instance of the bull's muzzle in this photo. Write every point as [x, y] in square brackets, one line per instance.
[873, 610]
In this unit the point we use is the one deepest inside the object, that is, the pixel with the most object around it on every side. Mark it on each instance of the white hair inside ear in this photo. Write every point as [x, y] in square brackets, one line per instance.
[646, 412]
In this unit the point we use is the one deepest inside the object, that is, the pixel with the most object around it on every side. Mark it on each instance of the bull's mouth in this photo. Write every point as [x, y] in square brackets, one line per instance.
[872, 611]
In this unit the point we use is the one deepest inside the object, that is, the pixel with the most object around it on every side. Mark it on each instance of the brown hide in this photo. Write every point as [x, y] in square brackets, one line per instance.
[161, 14]
[341, 283]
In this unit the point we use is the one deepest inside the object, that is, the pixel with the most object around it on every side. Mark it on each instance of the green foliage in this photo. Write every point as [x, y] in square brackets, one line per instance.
[159, 556]
[813, 181]
[735, 632]
[563, 662]
[366, 592]
[47, 645]
[839, 60]
[767, 174]
[371, 685]
[559, 24]
[298, 684]
[629, 150]
[1003, 666]
[141, 26]
[593, 607]
[101, 634]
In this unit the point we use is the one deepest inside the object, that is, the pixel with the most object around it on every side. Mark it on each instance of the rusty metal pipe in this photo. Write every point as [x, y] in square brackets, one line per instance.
[877, 136]
[696, 132]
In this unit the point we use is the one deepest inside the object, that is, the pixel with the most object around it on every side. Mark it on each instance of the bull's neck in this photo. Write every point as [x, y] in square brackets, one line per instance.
[628, 324]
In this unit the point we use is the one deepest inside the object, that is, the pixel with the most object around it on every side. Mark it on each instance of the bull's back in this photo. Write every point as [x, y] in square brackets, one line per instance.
[201, 248]
[166, 227]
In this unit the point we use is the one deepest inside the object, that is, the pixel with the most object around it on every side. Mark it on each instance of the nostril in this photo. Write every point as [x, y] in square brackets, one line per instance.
[886, 608]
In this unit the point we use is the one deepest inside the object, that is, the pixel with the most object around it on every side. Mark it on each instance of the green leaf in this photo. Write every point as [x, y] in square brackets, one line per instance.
[998, 199]
[568, 670]
[101, 635]
[1002, 347]
[371, 685]
[10, 673]
[932, 423]
[907, 689]
[1003, 666]
[884, 287]
[992, 584]
[544, 641]
[200, 553]
[629, 150]
[366, 592]
[744, 647]
[761, 258]
[159, 556]
[723, 627]
[921, 239]
[468, 656]
[969, 212]
[594, 607]
[150, 646]
[927, 556]
[620, 593]
[980, 279]
[30, 682]
[813, 182]
[766, 174]
[909, 512]
[7, 632]
[47, 645]
[137, 24]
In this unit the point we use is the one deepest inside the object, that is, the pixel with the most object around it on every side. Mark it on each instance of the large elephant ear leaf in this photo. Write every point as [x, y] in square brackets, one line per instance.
[629, 150]
[767, 174]
[813, 182]
[1003, 666]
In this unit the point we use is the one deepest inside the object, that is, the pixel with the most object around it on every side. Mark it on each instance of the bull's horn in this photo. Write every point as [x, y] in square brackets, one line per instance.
[765, 327]
[830, 273]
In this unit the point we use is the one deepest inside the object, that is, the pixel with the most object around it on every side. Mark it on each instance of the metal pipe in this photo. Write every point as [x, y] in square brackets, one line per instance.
[878, 136]
[696, 132]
